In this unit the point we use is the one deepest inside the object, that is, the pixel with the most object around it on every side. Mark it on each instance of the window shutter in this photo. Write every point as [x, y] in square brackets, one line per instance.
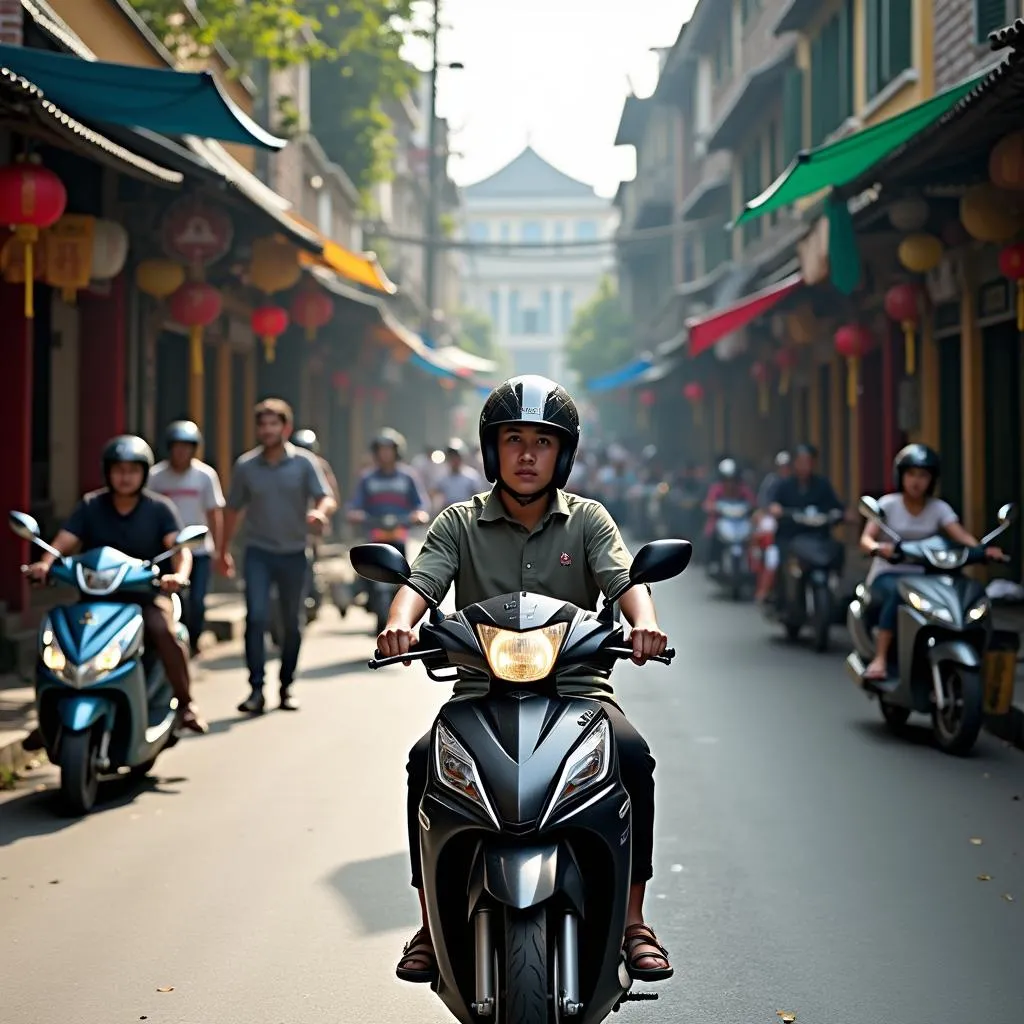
[792, 114]
[847, 106]
[817, 90]
[752, 187]
[900, 48]
[989, 16]
[873, 46]
[773, 163]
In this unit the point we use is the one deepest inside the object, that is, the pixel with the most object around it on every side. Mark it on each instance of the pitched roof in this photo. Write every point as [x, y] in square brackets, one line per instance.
[529, 175]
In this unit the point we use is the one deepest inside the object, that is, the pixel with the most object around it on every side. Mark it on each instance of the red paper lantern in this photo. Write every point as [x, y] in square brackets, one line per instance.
[785, 360]
[32, 198]
[693, 392]
[851, 342]
[312, 309]
[340, 380]
[196, 305]
[1011, 265]
[647, 398]
[901, 305]
[268, 324]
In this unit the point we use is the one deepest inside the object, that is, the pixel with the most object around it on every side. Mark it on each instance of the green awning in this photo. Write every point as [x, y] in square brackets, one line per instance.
[160, 100]
[841, 162]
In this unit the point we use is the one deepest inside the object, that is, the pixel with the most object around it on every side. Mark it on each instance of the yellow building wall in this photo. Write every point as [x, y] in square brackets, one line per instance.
[110, 34]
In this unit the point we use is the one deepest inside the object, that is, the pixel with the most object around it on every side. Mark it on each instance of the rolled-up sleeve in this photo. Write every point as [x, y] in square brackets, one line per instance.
[607, 555]
[438, 561]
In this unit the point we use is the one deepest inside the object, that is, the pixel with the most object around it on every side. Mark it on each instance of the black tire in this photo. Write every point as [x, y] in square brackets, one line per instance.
[822, 618]
[895, 718]
[527, 981]
[79, 778]
[956, 728]
[792, 632]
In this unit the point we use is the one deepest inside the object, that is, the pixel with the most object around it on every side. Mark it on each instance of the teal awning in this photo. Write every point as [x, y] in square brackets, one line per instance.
[160, 100]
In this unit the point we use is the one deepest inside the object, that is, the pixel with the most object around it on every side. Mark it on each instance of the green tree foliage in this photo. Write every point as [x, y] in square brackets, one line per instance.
[476, 334]
[352, 47]
[601, 336]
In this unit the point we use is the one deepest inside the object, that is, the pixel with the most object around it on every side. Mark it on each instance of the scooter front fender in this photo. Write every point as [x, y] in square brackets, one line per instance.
[524, 877]
[83, 711]
[960, 652]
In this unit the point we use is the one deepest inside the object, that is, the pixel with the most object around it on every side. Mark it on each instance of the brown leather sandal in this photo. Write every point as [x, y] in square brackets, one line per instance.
[638, 935]
[418, 949]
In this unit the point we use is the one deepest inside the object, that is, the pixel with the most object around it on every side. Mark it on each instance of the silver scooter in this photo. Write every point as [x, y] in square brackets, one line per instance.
[943, 632]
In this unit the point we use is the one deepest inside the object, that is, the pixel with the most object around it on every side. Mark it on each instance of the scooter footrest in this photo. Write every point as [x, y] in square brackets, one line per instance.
[639, 997]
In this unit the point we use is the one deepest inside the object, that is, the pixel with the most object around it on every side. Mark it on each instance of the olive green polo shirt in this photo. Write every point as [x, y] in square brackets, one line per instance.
[575, 553]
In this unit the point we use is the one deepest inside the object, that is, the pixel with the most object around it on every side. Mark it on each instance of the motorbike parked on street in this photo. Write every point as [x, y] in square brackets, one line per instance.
[103, 700]
[810, 576]
[944, 636]
[733, 528]
[525, 823]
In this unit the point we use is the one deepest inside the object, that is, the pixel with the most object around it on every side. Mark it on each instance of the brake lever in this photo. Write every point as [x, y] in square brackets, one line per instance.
[397, 659]
[665, 658]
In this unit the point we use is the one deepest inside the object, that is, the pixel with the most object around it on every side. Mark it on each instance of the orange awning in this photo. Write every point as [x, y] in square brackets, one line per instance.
[359, 268]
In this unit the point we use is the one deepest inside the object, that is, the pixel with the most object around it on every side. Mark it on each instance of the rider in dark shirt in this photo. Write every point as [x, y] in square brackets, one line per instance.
[140, 524]
[804, 489]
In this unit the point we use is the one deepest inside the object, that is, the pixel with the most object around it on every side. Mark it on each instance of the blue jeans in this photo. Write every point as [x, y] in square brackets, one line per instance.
[195, 599]
[264, 570]
[887, 600]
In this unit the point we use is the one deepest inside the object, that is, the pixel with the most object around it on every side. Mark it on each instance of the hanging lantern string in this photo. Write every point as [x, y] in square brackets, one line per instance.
[195, 344]
[910, 347]
[852, 381]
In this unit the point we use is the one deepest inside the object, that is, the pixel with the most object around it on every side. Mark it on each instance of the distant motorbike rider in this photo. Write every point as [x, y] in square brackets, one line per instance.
[914, 513]
[528, 533]
[767, 525]
[140, 524]
[728, 487]
[388, 490]
[195, 489]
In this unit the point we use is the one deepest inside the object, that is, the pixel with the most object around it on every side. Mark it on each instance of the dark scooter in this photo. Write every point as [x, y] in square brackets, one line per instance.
[103, 701]
[524, 823]
[943, 633]
[810, 576]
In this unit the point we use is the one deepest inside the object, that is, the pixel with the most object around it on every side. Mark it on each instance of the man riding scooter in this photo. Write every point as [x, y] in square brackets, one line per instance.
[766, 527]
[140, 524]
[728, 488]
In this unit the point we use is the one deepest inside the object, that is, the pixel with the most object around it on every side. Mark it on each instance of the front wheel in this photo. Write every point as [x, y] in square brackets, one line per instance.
[527, 988]
[822, 618]
[79, 776]
[956, 726]
[895, 718]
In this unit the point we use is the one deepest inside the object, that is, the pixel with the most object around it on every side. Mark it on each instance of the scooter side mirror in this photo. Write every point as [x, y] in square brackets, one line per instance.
[190, 537]
[23, 525]
[1008, 514]
[382, 563]
[660, 560]
[869, 508]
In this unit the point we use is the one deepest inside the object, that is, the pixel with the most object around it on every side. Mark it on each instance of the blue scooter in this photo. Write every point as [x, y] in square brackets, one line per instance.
[104, 703]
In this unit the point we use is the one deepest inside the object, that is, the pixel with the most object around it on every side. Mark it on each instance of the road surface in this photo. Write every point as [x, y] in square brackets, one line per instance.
[806, 861]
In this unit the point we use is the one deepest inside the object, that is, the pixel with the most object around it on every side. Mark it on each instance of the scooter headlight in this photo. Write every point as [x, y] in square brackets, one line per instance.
[51, 652]
[458, 771]
[522, 657]
[925, 607]
[979, 610]
[586, 766]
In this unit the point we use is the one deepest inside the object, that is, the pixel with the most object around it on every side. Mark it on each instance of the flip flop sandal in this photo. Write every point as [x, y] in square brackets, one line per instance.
[643, 935]
[418, 948]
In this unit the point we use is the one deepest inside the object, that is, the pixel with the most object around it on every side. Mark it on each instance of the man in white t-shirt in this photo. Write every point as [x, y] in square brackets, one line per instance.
[195, 489]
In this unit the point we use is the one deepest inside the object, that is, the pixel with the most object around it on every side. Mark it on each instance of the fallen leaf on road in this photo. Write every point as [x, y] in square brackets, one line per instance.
[785, 1017]
[984, 878]
[166, 988]
[976, 842]
[1007, 897]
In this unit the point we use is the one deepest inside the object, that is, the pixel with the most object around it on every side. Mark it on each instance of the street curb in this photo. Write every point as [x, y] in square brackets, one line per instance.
[1008, 727]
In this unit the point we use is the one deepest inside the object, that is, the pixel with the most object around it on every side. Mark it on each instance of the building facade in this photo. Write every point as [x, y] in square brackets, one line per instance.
[531, 295]
[962, 28]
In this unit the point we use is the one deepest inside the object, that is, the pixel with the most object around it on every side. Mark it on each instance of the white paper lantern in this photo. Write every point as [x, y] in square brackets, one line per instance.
[908, 214]
[731, 346]
[109, 250]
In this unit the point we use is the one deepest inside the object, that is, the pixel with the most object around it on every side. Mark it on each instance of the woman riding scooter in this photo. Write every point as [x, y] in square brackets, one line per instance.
[913, 513]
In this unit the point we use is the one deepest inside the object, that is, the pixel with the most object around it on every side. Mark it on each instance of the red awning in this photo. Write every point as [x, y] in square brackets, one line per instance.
[704, 331]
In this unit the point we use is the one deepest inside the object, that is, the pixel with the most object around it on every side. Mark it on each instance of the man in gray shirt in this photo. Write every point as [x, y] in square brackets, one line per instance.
[284, 495]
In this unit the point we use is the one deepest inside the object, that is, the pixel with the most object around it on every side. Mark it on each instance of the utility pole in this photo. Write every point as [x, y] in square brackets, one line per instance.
[433, 177]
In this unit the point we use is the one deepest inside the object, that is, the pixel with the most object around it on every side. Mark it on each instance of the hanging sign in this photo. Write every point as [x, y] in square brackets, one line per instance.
[196, 232]
[69, 247]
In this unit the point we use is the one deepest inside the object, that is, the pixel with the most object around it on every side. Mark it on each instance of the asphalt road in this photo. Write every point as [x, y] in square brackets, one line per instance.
[806, 861]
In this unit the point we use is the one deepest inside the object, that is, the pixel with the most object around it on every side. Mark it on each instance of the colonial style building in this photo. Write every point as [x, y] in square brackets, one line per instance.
[531, 296]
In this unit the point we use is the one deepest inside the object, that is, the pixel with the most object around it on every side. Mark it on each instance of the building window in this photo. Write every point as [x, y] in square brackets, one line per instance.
[567, 310]
[832, 73]
[515, 325]
[531, 321]
[752, 186]
[559, 231]
[773, 164]
[586, 230]
[545, 311]
[889, 41]
[495, 303]
[478, 231]
[990, 16]
[717, 247]
[532, 361]
[792, 114]
[532, 231]
[723, 55]
[749, 9]
[506, 231]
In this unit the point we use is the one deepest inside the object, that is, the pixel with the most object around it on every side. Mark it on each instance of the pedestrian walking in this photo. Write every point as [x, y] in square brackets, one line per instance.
[283, 493]
[194, 488]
